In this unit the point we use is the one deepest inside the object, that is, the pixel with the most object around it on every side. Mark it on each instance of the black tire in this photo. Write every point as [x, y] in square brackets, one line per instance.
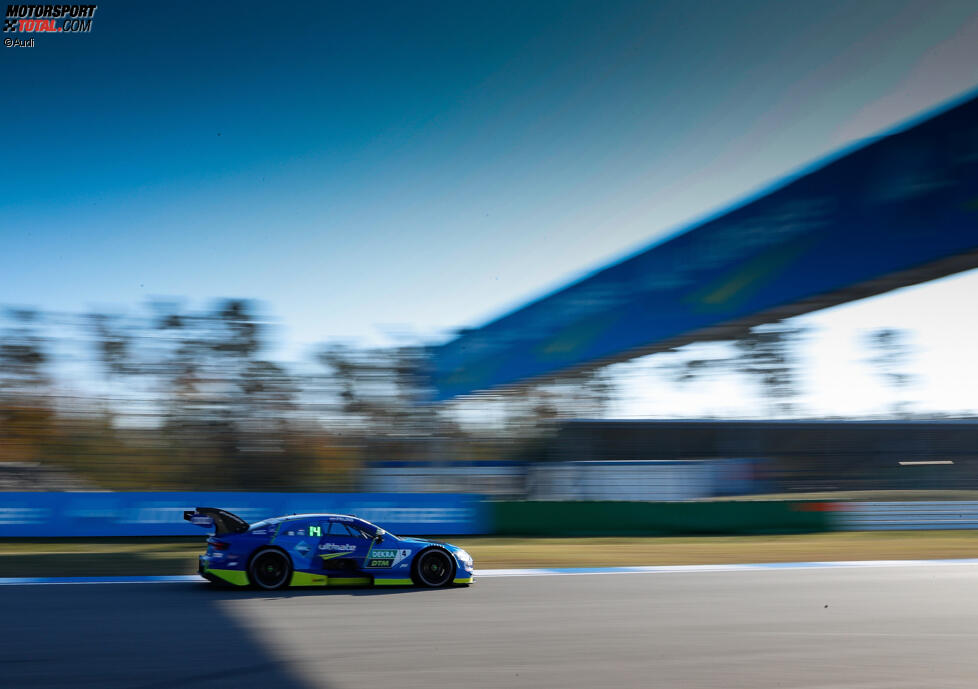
[270, 569]
[433, 568]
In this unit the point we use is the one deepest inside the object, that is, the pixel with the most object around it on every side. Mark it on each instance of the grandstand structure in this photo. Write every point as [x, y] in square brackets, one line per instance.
[793, 455]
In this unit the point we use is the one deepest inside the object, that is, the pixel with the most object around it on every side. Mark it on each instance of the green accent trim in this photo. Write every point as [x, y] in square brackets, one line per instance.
[379, 563]
[348, 581]
[307, 579]
[393, 582]
[382, 558]
[330, 556]
[278, 527]
[466, 580]
[232, 576]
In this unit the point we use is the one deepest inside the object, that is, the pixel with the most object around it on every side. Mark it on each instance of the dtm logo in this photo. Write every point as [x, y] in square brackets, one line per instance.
[49, 18]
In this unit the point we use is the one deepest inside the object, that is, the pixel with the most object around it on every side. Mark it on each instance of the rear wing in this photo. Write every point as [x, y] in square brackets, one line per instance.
[223, 521]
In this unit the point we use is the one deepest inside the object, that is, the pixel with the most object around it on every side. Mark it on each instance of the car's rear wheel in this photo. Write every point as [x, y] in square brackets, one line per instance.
[270, 569]
[433, 568]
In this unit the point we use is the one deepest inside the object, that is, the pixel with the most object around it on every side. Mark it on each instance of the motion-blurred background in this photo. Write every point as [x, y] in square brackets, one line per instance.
[564, 253]
[173, 400]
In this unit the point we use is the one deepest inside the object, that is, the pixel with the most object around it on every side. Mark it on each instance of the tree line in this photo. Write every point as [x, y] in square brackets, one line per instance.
[178, 399]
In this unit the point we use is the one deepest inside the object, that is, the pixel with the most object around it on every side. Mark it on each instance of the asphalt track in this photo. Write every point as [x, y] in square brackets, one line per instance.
[871, 627]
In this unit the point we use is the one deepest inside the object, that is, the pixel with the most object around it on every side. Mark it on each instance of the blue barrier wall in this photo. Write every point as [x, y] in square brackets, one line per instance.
[161, 514]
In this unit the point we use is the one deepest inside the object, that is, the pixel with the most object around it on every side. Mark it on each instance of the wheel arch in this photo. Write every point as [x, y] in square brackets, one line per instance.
[257, 549]
[262, 548]
[427, 549]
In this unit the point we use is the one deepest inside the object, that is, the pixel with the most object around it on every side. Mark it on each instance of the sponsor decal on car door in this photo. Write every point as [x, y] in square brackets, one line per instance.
[386, 557]
[337, 542]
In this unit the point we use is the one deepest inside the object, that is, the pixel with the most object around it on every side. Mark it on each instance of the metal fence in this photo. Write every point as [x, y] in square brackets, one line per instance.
[879, 516]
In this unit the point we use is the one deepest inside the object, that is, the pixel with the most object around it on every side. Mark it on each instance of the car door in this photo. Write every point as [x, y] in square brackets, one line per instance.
[341, 548]
[297, 537]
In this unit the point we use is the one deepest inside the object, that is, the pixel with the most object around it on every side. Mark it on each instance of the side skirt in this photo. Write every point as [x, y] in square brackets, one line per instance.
[226, 576]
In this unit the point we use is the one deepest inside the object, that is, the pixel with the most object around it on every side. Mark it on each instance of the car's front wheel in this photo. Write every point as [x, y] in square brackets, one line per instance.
[433, 568]
[270, 569]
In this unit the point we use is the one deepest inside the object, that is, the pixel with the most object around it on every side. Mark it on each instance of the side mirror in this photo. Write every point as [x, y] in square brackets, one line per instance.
[379, 538]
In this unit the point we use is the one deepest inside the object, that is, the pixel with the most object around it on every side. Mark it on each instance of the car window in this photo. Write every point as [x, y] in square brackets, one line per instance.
[337, 529]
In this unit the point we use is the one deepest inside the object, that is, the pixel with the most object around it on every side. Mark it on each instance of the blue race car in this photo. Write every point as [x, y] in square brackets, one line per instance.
[322, 550]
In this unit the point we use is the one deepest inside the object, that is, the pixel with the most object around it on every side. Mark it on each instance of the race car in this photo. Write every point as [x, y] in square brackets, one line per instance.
[322, 550]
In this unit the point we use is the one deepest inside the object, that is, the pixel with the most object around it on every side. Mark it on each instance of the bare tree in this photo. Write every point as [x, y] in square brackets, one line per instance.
[382, 390]
[26, 414]
[891, 354]
[22, 354]
[224, 409]
[769, 354]
[686, 371]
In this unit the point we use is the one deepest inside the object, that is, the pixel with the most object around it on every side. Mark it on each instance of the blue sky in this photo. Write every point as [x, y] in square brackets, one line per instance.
[368, 169]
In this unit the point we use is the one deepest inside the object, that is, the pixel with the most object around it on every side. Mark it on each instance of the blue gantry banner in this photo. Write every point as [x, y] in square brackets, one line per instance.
[902, 201]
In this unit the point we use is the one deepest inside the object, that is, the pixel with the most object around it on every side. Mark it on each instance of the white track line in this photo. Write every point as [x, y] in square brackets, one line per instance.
[754, 567]
[537, 572]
